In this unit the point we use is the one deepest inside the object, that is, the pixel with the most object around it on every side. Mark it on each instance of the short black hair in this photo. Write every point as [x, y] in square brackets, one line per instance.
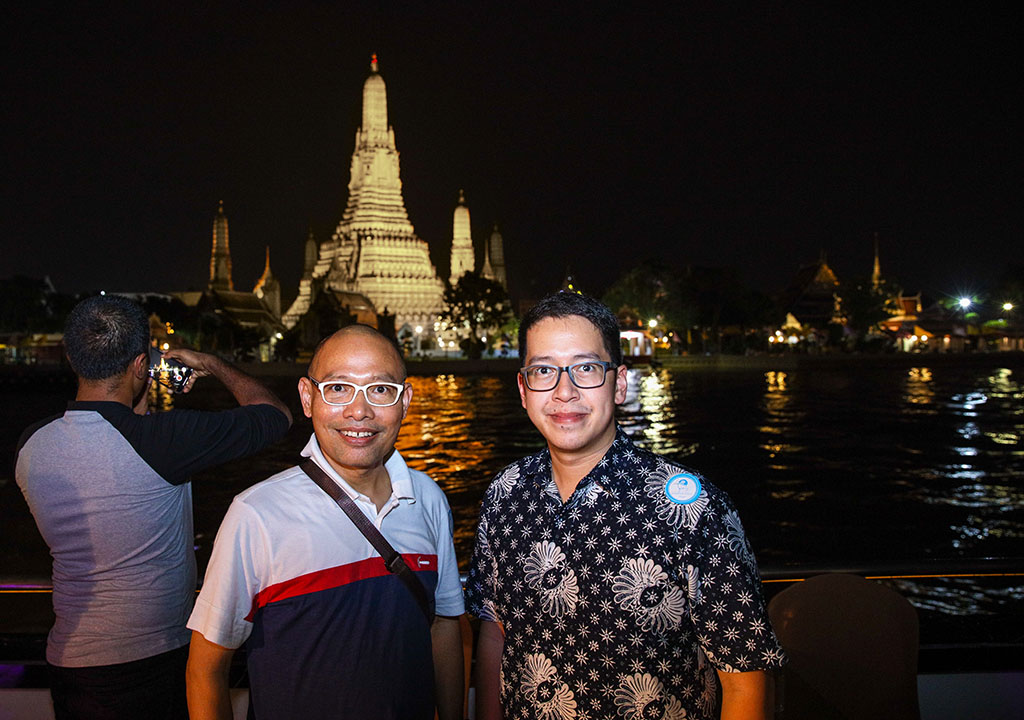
[104, 334]
[566, 303]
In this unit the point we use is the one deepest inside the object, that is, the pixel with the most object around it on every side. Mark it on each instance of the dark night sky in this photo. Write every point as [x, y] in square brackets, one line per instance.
[753, 139]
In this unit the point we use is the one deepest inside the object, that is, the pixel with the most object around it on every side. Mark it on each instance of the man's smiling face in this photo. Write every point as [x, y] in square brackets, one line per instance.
[356, 438]
[573, 420]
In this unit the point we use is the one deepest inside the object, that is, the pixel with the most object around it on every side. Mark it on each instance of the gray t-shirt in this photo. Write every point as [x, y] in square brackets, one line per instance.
[109, 491]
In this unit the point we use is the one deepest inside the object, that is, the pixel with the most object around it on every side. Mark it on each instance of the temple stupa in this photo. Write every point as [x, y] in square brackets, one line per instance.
[374, 250]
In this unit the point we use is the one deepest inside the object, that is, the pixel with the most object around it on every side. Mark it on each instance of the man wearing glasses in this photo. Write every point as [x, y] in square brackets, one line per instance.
[329, 632]
[610, 582]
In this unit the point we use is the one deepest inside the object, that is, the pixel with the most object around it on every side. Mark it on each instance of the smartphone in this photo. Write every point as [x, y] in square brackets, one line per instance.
[168, 372]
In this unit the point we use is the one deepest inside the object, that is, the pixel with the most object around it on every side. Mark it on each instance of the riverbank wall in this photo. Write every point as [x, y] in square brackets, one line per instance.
[52, 375]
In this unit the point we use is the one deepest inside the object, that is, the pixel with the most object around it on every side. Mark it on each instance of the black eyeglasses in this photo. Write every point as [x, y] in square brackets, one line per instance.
[584, 375]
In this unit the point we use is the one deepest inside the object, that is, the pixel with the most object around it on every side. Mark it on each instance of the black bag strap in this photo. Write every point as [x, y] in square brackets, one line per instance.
[394, 562]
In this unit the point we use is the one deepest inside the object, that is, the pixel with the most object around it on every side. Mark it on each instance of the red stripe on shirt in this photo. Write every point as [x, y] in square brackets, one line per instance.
[334, 577]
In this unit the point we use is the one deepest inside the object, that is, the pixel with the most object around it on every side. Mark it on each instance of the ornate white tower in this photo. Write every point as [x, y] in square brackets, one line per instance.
[375, 250]
[463, 260]
[220, 256]
[494, 258]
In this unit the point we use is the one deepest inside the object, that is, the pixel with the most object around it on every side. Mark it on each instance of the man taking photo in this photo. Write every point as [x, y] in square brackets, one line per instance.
[108, 486]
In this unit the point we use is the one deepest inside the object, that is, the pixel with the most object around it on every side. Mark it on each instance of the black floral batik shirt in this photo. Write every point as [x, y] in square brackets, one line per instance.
[625, 600]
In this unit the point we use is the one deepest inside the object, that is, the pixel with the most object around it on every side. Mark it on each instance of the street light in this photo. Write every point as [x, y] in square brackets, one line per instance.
[1007, 306]
[964, 302]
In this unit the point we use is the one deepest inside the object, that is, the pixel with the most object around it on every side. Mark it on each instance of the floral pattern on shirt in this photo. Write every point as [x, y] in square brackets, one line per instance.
[620, 602]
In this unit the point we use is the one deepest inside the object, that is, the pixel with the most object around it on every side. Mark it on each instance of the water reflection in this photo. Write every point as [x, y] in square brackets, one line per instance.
[918, 391]
[778, 405]
[650, 413]
[780, 414]
[964, 607]
[826, 464]
[776, 380]
[461, 430]
[968, 430]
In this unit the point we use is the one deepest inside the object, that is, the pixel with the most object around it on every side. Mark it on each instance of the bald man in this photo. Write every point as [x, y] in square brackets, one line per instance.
[329, 633]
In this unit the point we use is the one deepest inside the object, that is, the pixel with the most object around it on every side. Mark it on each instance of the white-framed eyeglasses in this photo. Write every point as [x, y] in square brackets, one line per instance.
[378, 394]
[585, 375]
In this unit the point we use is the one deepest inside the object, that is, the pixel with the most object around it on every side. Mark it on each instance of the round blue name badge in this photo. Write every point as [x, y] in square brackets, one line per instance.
[682, 489]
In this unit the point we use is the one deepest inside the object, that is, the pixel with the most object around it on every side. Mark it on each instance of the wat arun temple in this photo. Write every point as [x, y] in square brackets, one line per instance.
[375, 252]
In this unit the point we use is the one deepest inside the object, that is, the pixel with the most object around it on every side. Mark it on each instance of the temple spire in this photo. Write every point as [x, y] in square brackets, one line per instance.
[876, 273]
[374, 250]
[375, 109]
[310, 253]
[268, 288]
[463, 259]
[496, 257]
[220, 255]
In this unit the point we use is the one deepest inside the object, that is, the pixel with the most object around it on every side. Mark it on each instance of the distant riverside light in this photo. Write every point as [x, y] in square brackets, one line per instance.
[1007, 306]
[965, 302]
[652, 323]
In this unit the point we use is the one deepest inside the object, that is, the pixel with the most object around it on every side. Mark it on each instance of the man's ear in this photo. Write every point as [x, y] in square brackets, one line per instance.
[140, 365]
[522, 388]
[306, 391]
[406, 399]
[621, 384]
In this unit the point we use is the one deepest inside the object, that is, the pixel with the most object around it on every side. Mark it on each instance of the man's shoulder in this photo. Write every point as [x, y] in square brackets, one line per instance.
[262, 413]
[516, 475]
[427, 492]
[32, 429]
[279, 485]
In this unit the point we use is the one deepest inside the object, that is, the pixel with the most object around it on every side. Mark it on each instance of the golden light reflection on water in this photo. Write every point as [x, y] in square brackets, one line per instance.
[779, 417]
[776, 380]
[436, 429]
[777, 405]
[650, 413]
[461, 430]
[918, 389]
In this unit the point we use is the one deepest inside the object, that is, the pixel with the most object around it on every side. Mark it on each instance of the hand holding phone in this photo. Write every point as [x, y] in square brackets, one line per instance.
[168, 372]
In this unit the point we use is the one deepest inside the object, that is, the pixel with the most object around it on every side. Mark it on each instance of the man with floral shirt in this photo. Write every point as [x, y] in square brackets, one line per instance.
[610, 582]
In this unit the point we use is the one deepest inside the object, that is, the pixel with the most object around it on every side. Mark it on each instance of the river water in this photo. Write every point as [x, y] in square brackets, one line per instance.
[844, 463]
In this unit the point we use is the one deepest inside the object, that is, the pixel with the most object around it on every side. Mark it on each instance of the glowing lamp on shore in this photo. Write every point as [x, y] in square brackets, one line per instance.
[652, 323]
[1007, 306]
[964, 302]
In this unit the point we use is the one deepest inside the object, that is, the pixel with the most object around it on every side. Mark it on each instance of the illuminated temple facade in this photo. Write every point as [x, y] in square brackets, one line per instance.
[374, 251]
